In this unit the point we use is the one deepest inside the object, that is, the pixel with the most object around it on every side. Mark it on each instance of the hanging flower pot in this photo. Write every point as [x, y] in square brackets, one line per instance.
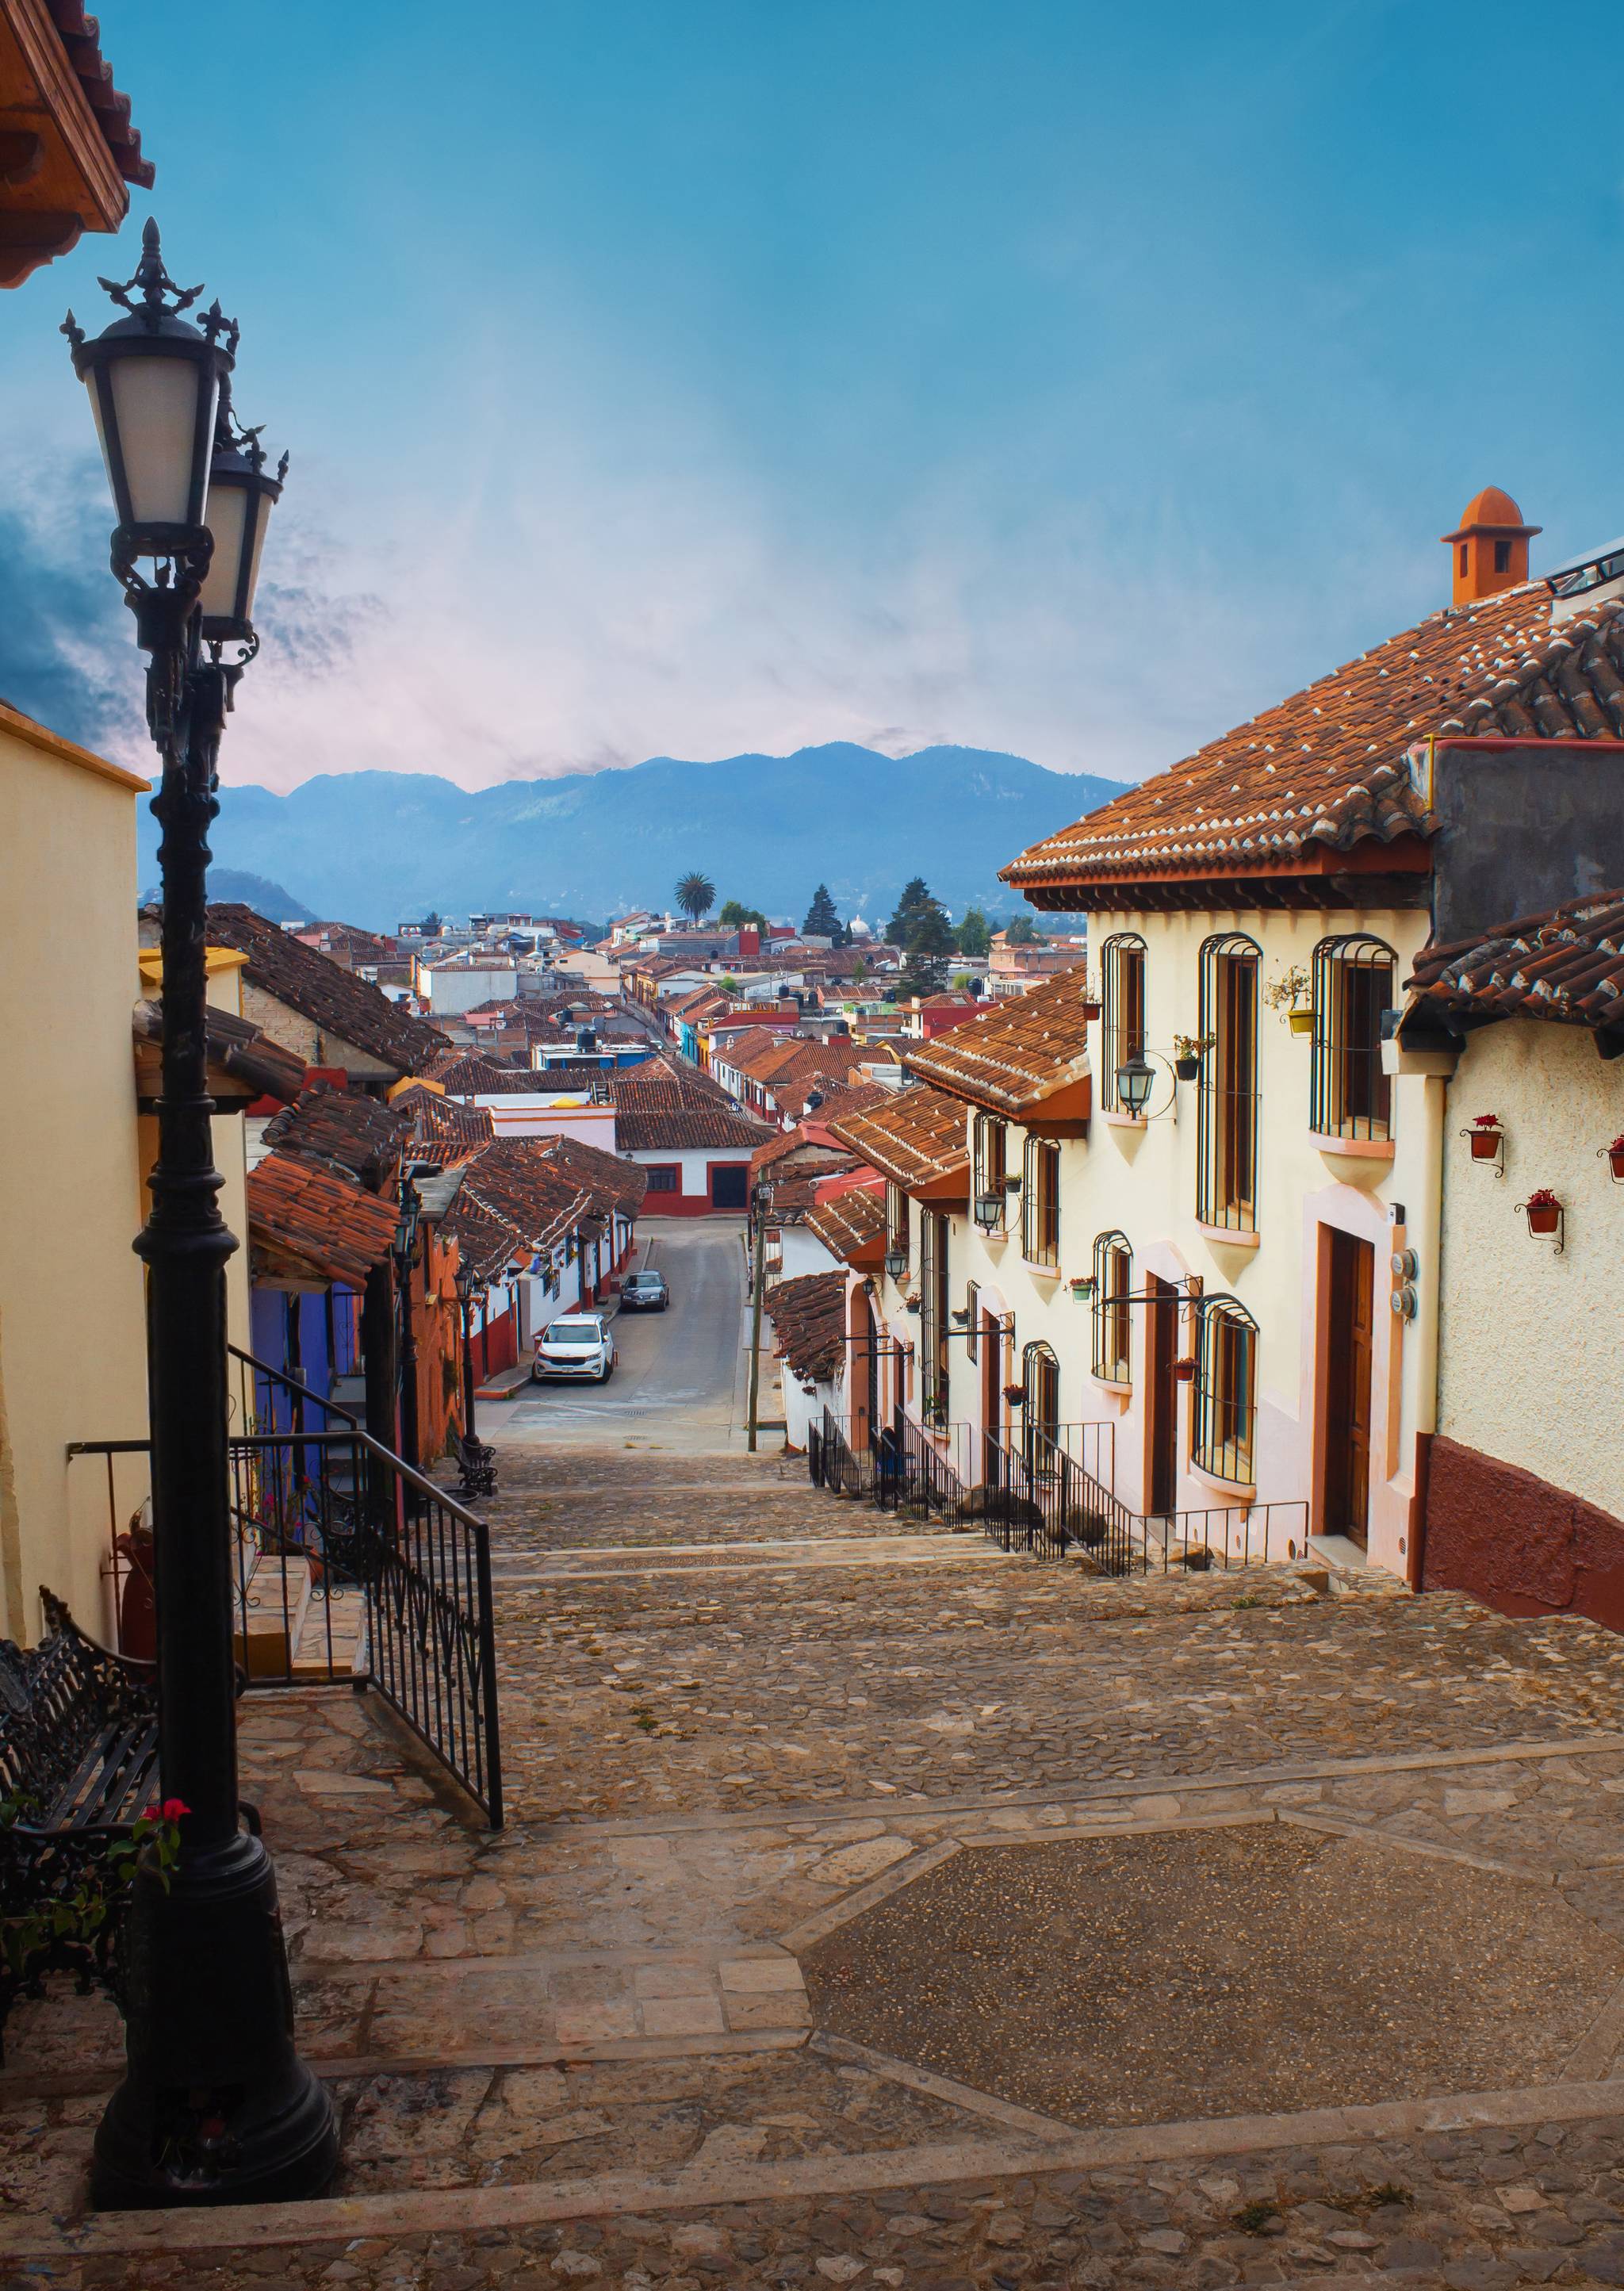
[1486, 1136]
[1083, 1286]
[1184, 1371]
[1015, 1393]
[1614, 1155]
[1543, 1210]
[1187, 1069]
[1091, 1009]
[1300, 1022]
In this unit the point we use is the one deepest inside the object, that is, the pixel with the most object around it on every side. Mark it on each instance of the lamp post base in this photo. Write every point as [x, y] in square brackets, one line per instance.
[215, 2107]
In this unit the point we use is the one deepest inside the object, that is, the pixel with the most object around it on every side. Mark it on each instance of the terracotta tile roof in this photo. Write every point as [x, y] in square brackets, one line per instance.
[515, 1200]
[323, 991]
[917, 1136]
[686, 1128]
[443, 1121]
[304, 1223]
[1019, 1054]
[843, 1098]
[808, 1317]
[234, 1047]
[1325, 768]
[611, 1183]
[850, 1223]
[794, 1147]
[347, 1132]
[1566, 966]
[465, 1073]
[81, 36]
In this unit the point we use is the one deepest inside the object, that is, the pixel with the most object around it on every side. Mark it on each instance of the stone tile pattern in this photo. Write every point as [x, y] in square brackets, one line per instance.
[1474, 2211]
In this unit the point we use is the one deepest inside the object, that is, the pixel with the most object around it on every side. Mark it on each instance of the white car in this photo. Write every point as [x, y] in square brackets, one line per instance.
[575, 1344]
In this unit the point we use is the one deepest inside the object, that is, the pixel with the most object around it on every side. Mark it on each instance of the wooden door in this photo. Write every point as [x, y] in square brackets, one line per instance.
[1161, 1395]
[1350, 1293]
[991, 1346]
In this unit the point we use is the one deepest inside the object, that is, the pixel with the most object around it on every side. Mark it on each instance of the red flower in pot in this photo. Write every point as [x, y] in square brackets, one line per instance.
[1015, 1393]
[1185, 1369]
[1486, 1134]
[1615, 1157]
[1543, 1210]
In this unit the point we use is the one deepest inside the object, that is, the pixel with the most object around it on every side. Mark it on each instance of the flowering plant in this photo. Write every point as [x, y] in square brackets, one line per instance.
[1617, 1146]
[1192, 1046]
[73, 1922]
[1485, 1122]
[1542, 1198]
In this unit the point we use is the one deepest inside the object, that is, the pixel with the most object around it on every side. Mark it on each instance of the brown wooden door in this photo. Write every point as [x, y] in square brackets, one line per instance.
[1160, 1397]
[1350, 1295]
[992, 1350]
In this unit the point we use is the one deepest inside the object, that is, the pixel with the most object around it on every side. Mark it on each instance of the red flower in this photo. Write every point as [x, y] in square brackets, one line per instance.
[1485, 1122]
[150, 1812]
[173, 1808]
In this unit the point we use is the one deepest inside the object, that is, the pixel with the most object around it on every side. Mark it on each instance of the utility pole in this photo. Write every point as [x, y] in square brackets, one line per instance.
[761, 1204]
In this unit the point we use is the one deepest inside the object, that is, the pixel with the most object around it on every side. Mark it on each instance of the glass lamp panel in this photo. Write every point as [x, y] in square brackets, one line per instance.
[256, 549]
[155, 402]
[106, 460]
[228, 508]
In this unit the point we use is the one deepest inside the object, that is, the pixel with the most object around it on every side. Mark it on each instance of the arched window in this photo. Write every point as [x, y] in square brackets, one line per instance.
[1225, 1389]
[1226, 1103]
[1041, 1375]
[1121, 969]
[989, 1158]
[933, 1331]
[1041, 1202]
[1113, 1315]
[1349, 1094]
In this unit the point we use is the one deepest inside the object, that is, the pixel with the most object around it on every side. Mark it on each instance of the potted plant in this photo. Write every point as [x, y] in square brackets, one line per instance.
[1486, 1136]
[1188, 1050]
[1083, 1286]
[911, 1300]
[1289, 992]
[1185, 1369]
[1015, 1394]
[1543, 1210]
[1615, 1157]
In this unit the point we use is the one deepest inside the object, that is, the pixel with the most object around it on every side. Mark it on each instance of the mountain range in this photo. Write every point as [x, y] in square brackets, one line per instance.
[379, 849]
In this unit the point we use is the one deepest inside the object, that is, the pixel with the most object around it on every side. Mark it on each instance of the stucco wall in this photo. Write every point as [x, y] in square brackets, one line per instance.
[1531, 1369]
[72, 1335]
[317, 1046]
[1141, 1178]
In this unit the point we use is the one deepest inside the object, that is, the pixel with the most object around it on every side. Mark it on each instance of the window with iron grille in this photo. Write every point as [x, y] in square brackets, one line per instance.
[972, 1315]
[1349, 1094]
[1041, 1202]
[1227, 1101]
[1041, 1430]
[1113, 1315]
[1225, 1389]
[662, 1177]
[933, 1324]
[896, 1219]
[990, 1166]
[1121, 962]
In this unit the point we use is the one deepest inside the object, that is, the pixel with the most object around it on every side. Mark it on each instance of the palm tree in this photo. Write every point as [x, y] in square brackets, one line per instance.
[696, 895]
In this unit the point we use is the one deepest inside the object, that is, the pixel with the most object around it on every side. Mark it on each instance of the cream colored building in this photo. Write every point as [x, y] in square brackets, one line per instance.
[72, 1335]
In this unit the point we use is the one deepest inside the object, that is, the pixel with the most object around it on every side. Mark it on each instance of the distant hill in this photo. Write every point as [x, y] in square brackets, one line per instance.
[266, 898]
[377, 847]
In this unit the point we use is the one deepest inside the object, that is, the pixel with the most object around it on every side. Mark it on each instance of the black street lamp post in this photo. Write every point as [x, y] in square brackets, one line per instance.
[406, 1251]
[465, 1297]
[215, 2105]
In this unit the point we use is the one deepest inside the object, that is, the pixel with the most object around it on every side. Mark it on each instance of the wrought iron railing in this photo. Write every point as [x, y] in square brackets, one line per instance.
[925, 1470]
[348, 1567]
[1042, 1499]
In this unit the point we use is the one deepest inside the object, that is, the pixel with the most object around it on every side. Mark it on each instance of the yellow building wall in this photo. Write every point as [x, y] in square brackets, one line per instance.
[72, 1338]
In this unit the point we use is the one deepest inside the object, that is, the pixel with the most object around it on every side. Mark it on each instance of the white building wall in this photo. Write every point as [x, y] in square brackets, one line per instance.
[450, 992]
[1531, 1369]
[1140, 1177]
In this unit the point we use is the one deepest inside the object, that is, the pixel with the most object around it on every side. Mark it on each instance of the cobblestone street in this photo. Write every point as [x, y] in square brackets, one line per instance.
[878, 1907]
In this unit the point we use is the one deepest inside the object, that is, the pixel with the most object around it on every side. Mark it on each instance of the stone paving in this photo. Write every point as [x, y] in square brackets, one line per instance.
[586, 2049]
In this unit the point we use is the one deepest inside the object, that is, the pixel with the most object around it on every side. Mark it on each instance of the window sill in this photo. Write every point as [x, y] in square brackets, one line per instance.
[1363, 1149]
[1229, 1236]
[1040, 1272]
[1123, 1384]
[1240, 1491]
[1120, 1120]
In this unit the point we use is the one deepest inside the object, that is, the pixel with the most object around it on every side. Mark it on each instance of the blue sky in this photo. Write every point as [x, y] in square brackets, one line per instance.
[691, 376]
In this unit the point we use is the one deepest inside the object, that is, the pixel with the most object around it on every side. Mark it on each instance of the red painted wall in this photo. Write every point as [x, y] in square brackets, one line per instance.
[1517, 1542]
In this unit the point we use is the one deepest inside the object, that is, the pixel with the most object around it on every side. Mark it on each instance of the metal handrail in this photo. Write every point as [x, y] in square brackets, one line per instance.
[298, 1391]
[359, 1438]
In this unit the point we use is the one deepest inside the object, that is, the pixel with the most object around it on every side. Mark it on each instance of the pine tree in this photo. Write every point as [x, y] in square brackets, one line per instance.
[1022, 931]
[821, 920]
[974, 933]
[915, 898]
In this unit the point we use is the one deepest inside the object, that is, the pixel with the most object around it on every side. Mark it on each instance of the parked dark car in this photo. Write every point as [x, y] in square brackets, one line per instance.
[644, 1292]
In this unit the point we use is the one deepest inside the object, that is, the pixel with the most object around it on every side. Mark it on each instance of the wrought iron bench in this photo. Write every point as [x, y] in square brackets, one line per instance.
[475, 1468]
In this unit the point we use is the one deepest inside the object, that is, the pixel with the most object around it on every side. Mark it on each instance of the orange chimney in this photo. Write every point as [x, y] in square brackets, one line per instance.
[1489, 549]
